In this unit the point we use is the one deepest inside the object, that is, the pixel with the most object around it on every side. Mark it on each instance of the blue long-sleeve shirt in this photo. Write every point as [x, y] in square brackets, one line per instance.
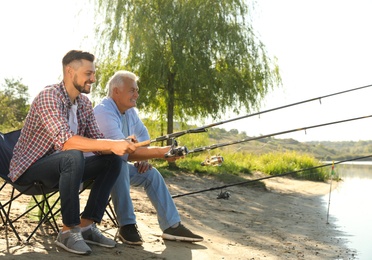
[109, 120]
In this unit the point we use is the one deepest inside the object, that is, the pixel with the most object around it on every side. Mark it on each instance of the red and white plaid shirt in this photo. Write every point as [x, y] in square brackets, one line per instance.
[46, 128]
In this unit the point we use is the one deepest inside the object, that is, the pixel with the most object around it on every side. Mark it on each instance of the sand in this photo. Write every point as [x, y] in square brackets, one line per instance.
[286, 219]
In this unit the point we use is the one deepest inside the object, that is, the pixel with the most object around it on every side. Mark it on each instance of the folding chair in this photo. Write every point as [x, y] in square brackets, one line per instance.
[110, 212]
[7, 143]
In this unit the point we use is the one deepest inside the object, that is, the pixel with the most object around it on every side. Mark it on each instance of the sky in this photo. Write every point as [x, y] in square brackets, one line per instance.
[322, 47]
[35, 35]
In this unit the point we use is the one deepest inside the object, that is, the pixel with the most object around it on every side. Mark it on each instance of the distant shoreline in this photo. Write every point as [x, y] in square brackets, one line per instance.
[366, 163]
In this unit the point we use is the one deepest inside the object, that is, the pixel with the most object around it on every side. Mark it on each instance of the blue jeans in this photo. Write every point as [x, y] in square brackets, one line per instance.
[67, 170]
[156, 190]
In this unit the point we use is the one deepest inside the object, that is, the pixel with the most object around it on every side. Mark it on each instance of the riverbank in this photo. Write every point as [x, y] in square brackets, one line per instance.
[285, 220]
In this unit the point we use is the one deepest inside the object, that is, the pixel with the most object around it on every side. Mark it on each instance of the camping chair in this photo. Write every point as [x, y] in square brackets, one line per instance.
[7, 143]
[110, 212]
[47, 211]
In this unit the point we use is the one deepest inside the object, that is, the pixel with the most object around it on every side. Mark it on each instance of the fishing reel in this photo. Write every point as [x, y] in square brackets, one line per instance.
[215, 160]
[224, 195]
[176, 151]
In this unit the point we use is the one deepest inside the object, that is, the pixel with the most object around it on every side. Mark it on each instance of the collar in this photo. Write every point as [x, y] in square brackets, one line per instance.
[114, 106]
[66, 98]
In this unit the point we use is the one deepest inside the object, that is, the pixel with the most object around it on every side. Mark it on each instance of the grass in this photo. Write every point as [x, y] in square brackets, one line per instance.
[282, 163]
[238, 164]
[239, 161]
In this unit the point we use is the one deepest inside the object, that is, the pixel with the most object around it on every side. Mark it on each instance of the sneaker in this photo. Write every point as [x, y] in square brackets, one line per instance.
[73, 242]
[181, 233]
[129, 234]
[94, 236]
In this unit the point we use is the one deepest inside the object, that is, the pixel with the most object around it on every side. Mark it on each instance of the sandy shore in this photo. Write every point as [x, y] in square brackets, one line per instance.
[285, 220]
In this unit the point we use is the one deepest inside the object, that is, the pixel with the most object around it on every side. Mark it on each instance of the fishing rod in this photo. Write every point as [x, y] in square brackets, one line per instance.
[204, 128]
[272, 176]
[214, 146]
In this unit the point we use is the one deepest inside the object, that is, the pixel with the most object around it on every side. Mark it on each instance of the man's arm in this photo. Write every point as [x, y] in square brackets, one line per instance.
[118, 147]
[146, 153]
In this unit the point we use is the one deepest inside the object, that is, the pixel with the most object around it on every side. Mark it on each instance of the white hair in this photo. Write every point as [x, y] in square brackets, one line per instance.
[118, 80]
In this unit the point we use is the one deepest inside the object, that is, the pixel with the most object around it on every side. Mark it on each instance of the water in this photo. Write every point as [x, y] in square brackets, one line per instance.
[350, 206]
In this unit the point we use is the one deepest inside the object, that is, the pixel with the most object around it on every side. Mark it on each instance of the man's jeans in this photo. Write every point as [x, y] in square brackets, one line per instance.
[156, 190]
[67, 170]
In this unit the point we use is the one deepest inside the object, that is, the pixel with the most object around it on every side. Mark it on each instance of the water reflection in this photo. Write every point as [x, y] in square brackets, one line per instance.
[350, 206]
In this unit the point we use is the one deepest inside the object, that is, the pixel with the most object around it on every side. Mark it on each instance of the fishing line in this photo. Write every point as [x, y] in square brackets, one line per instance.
[330, 191]
[214, 146]
[271, 176]
[204, 128]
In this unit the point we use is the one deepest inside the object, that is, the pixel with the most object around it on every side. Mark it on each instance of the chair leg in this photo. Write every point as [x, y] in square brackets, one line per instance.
[7, 221]
[1, 205]
[45, 215]
[52, 217]
[112, 214]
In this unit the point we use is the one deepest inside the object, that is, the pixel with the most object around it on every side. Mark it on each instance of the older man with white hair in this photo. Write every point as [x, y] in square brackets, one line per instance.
[118, 119]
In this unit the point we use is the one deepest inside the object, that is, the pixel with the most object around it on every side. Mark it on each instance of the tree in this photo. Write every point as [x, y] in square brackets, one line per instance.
[13, 104]
[195, 58]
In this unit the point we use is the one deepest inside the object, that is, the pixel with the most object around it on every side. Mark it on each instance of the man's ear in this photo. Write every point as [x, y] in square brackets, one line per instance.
[70, 70]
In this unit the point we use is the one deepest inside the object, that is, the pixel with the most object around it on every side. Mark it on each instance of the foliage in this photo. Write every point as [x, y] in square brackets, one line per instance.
[321, 150]
[103, 74]
[13, 105]
[282, 163]
[241, 161]
[342, 150]
[195, 58]
[267, 155]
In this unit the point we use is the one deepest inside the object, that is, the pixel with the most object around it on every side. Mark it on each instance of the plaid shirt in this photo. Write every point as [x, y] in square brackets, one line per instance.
[46, 128]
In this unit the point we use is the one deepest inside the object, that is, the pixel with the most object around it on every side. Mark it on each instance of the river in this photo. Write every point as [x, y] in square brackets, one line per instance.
[350, 207]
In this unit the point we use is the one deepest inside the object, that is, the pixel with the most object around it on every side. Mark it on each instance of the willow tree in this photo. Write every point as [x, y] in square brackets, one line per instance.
[195, 58]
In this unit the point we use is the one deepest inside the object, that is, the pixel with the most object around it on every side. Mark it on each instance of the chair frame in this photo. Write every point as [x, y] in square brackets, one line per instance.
[34, 190]
[47, 215]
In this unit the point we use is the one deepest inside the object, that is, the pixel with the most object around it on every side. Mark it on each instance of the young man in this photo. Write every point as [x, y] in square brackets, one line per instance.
[59, 127]
[117, 119]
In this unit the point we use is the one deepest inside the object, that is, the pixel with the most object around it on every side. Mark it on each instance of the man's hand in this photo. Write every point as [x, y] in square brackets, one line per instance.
[142, 166]
[121, 147]
[132, 138]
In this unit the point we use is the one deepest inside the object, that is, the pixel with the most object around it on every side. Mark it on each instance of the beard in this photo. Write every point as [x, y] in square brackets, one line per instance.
[81, 88]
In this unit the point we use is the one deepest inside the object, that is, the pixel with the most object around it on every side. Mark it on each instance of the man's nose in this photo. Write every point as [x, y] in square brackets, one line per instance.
[93, 78]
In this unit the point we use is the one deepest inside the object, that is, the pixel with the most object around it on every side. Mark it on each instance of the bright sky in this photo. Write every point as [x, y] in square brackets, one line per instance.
[322, 46]
[35, 35]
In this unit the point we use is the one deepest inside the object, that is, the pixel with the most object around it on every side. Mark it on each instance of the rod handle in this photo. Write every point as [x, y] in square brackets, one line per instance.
[144, 143]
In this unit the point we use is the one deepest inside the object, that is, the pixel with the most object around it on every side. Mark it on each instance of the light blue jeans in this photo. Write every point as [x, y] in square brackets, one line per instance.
[156, 189]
